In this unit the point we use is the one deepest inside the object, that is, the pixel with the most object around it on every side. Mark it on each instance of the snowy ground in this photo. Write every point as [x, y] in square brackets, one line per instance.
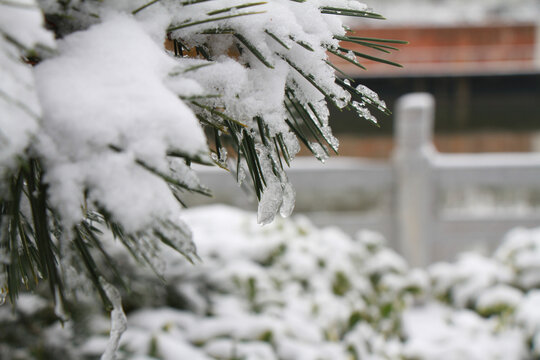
[290, 291]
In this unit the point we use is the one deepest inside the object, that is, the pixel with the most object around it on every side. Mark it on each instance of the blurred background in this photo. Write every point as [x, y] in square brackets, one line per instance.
[480, 61]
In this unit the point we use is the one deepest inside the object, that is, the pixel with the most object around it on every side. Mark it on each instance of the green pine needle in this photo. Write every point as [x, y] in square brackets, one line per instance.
[350, 12]
[369, 57]
[243, 6]
[388, 41]
[273, 36]
[253, 50]
[205, 21]
[352, 61]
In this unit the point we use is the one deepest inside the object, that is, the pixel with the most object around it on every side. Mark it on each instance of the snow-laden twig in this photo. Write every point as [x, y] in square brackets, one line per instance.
[118, 321]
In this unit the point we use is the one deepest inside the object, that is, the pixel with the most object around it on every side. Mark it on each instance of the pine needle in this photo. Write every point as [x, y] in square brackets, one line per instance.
[205, 21]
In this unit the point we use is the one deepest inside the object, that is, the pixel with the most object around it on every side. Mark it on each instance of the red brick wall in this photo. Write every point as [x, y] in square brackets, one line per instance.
[493, 48]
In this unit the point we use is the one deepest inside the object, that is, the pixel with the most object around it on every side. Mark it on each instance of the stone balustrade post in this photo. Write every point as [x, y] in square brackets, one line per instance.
[415, 196]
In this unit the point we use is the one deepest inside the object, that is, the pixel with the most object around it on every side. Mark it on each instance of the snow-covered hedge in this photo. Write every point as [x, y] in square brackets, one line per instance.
[286, 291]
[291, 291]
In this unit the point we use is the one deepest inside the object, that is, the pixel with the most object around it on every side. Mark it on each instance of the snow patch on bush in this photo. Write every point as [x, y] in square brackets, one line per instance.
[291, 291]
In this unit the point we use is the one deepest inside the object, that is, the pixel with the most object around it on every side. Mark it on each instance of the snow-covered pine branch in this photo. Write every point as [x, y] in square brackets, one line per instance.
[99, 134]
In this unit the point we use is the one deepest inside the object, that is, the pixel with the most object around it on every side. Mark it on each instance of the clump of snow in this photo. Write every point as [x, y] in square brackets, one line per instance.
[463, 281]
[111, 79]
[521, 252]
[499, 298]
[439, 332]
[528, 316]
[21, 30]
[29, 304]
[22, 22]
[528, 313]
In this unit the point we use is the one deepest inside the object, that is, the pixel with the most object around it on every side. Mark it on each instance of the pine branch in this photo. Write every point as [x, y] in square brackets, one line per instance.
[31, 231]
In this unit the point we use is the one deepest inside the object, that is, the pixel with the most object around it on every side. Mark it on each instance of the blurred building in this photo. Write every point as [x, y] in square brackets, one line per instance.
[484, 75]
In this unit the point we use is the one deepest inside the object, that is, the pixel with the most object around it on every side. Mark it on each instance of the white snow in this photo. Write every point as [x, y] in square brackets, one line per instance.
[228, 349]
[107, 89]
[465, 280]
[30, 304]
[276, 291]
[21, 30]
[22, 21]
[521, 250]
[438, 332]
[528, 312]
[497, 297]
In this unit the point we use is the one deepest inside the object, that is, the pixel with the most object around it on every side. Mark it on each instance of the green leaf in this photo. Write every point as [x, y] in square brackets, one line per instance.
[218, 113]
[349, 12]
[379, 47]
[369, 57]
[310, 79]
[191, 68]
[284, 151]
[91, 267]
[134, 12]
[389, 41]
[280, 42]
[308, 120]
[371, 101]
[352, 61]
[303, 44]
[172, 181]
[253, 50]
[205, 21]
[338, 70]
[243, 6]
